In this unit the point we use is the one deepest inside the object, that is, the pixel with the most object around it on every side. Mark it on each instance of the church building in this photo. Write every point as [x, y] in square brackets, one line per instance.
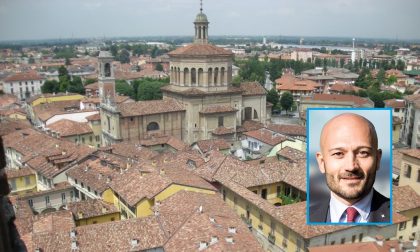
[199, 103]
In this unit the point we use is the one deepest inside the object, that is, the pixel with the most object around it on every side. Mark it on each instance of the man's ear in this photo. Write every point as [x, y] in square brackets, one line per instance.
[321, 163]
[378, 159]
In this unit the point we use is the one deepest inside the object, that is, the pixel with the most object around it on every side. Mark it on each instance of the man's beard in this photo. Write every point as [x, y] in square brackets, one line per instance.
[351, 192]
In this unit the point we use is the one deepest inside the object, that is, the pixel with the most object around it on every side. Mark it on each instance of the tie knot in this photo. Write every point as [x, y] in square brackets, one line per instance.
[351, 214]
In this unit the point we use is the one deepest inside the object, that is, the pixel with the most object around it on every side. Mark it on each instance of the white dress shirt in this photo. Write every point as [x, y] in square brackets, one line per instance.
[338, 209]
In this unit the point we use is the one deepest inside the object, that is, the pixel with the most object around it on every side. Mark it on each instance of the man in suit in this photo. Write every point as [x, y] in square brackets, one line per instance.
[349, 158]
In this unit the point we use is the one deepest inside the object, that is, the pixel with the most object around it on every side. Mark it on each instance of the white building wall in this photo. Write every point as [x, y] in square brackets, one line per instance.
[19, 88]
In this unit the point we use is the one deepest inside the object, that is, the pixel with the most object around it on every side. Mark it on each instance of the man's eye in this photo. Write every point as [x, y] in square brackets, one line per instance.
[338, 154]
[364, 154]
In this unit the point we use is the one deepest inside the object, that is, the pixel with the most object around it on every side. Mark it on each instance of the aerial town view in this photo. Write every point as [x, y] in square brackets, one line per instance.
[185, 125]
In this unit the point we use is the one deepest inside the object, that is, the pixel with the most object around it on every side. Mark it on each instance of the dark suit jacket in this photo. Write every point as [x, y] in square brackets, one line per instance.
[379, 210]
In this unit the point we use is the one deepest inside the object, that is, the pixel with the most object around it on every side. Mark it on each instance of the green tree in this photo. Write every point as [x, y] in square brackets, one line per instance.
[381, 75]
[286, 101]
[123, 88]
[114, 50]
[400, 65]
[123, 56]
[253, 70]
[76, 86]
[391, 80]
[149, 89]
[90, 81]
[50, 86]
[67, 62]
[273, 97]
[159, 67]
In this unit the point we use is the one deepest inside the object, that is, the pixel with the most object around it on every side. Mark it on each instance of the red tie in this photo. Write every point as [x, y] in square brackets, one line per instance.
[351, 214]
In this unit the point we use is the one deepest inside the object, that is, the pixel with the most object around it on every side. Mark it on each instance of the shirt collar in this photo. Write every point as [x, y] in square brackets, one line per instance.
[337, 208]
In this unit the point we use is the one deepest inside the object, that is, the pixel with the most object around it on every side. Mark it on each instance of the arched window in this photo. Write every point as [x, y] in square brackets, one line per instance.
[222, 75]
[107, 70]
[200, 76]
[193, 77]
[209, 76]
[216, 73]
[152, 126]
[186, 76]
[255, 114]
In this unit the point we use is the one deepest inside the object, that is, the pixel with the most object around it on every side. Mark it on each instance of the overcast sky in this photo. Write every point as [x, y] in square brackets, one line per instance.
[39, 19]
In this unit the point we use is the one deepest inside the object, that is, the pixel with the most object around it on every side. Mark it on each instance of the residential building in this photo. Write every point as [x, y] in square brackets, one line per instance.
[23, 85]
[22, 180]
[205, 146]
[406, 201]
[298, 87]
[49, 157]
[397, 125]
[342, 88]
[77, 132]
[410, 169]
[93, 211]
[411, 129]
[332, 101]
[51, 98]
[50, 200]
[398, 107]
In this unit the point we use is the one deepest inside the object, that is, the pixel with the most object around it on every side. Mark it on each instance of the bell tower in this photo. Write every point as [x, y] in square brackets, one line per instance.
[201, 27]
[106, 79]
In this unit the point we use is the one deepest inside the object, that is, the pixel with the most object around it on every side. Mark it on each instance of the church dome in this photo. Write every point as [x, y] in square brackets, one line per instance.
[201, 17]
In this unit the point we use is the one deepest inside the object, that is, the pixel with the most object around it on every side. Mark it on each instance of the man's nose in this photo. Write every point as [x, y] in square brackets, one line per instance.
[352, 162]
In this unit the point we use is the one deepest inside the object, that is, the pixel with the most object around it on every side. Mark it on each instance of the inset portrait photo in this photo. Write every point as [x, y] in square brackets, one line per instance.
[349, 160]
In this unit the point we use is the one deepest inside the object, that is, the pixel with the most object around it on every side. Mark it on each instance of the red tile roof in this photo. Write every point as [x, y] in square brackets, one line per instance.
[213, 144]
[252, 88]
[288, 129]
[338, 87]
[150, 107]
[405, 198]
[15, 173]
[223, 131]
[348, 99]
[91, 208]
[68, 128]
[200, 50]
[415, 153]
[266, 136]
[395, 103]
[290, 83]
[26, 76]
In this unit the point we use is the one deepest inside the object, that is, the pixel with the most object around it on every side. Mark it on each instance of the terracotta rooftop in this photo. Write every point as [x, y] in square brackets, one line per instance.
[252, 88]
[214, 109]
[50, 158]
[288, 82]
[25, 76]
[91, 208]
[107, 237]
[288, 129]
[47, 110]
[8, 126]
[93, 86]
[415, 153]
[172, 141]
[68, 128]
[7, 100]
[353, 100]
[187, 226]
[266, 136]
[292, 154]
[134, 151]
[405, 198]
[221, 130]
[395, 103]
[249, 125]
[338, 87]
[200, 50]
[359, 247]
[396, 161]
[212, 144]
[97, 100]
[95, 117]
[16, 173]
[150, 107]
[136, 185]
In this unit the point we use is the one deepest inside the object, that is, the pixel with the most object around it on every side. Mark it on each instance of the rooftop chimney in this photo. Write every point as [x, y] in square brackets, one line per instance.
[214, 239]
[74, 245]
[232, 230]
[134, 242]
[392, 249]
[203, 245]
[379, 240]
[73, 234]
[229, 239]
[200, 209]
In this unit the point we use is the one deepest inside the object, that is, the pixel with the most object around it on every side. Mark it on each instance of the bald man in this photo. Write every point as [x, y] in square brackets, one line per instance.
[349, 158]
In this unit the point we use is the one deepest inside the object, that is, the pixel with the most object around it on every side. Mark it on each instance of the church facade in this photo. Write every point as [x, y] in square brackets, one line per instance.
[199, 103]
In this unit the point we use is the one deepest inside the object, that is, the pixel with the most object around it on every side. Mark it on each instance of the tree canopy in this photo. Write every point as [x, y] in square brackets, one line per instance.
[286, 101]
